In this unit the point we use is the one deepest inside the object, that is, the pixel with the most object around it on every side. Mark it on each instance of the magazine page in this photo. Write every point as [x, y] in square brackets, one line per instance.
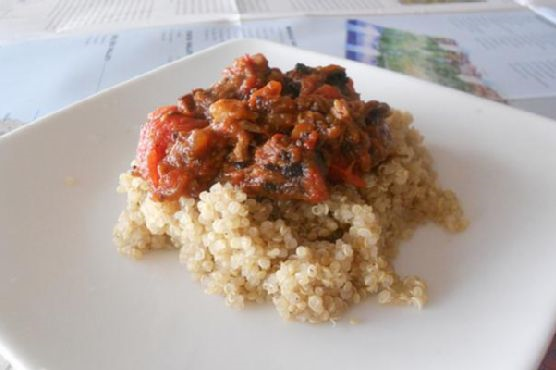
[496, 55]
[28, 19]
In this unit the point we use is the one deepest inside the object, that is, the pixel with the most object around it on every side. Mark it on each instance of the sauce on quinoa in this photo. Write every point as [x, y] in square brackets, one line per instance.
[277, 135]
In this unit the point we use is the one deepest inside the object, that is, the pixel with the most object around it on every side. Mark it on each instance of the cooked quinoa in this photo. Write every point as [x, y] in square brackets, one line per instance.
[312, 261]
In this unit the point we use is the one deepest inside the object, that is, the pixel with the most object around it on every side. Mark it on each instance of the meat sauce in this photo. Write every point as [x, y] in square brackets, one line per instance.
[277, 135]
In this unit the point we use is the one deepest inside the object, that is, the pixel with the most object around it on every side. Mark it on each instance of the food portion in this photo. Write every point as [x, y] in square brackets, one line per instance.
[277, 135]
[284, 187]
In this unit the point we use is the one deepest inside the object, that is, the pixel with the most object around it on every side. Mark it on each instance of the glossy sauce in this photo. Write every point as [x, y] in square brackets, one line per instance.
[276, 135]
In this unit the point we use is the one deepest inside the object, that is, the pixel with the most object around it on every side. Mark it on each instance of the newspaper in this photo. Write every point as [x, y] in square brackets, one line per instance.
[44, 18]
[498, 55]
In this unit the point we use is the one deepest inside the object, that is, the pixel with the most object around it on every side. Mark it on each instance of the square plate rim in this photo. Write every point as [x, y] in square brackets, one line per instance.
[52, 117]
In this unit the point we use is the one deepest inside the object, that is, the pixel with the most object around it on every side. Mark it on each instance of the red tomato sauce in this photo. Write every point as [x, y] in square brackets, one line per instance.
[277, 135]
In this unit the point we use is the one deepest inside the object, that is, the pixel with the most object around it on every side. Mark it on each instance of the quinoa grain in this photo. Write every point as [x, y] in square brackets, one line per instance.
[311, 261]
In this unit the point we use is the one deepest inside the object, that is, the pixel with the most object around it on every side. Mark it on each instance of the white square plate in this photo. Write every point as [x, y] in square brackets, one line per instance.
[68, 301]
